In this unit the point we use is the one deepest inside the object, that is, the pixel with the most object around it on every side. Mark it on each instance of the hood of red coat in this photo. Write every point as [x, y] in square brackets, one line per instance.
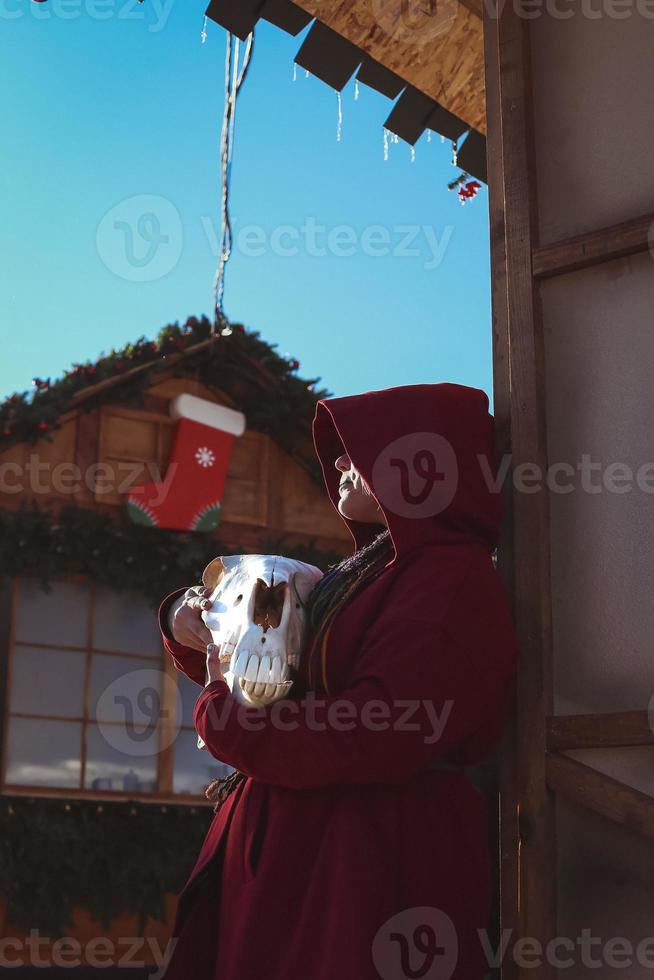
[428, 454]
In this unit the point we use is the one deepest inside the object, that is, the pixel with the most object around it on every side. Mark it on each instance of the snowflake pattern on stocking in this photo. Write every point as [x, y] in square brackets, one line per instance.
[205, 457]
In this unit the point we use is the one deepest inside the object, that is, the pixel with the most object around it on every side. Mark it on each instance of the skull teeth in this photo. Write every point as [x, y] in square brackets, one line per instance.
[262, 681]
[252, 671]
[241, 664]
[263, 674]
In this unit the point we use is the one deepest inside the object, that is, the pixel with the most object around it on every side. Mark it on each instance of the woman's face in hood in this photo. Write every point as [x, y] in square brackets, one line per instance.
[356, 501]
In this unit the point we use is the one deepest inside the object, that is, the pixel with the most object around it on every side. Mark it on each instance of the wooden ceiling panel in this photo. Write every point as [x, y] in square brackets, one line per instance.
[436, 46]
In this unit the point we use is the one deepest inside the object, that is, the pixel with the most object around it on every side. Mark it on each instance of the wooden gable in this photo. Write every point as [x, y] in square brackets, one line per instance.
[96, 457]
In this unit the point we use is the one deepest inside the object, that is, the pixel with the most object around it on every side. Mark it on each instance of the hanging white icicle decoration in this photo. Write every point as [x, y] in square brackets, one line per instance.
[306, 72]
[203, 35]
[454, 153]
[339, 125]
[413, 154]
[429, 135]
[234, 79]
[386, 135]
[294, 71]
[356, 89]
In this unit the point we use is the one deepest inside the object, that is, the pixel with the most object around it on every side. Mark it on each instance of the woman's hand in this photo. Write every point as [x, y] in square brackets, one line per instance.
[185, 618]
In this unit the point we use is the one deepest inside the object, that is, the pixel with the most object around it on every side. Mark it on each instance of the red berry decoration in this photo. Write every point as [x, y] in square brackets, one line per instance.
[293, 364]
[468, 190]
[43, 426]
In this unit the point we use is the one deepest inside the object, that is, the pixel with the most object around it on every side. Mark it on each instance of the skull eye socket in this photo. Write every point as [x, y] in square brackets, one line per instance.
[237, 600]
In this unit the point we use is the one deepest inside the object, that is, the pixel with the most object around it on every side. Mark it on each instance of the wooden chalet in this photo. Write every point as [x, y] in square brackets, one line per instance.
[88, 818]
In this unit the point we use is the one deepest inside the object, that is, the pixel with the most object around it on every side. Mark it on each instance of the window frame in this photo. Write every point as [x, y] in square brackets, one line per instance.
[167, 719]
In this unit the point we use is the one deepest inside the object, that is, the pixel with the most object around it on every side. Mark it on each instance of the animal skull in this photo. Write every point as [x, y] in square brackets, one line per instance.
[257, 620]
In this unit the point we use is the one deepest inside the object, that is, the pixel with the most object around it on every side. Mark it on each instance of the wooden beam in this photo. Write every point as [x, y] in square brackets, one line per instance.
[571, 254]
[528, 831]
[600, 731]
[163, 364]
[169, 725]
[116, 795]
[87, 438]
[601, 793]
[505, 912]
[6, 628]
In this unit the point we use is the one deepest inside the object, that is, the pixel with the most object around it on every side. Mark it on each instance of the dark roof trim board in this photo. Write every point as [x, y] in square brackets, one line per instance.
[445, 123]
[472, 156]
[334, 60]
[286, 15]
[410, 114]
[238, 18]
[241, 16]
[382, 79]
[329, 56]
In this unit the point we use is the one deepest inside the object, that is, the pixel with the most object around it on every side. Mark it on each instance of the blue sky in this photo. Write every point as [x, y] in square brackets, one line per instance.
[370, 272]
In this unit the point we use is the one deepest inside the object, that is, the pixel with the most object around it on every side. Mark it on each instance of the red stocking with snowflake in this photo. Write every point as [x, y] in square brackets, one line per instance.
[190, 496]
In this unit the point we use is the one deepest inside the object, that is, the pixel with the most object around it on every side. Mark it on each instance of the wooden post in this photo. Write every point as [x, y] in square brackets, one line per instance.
[6, 606]
[527, 833]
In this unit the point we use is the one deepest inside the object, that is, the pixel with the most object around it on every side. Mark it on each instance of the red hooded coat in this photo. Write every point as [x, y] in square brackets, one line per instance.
[346, 855]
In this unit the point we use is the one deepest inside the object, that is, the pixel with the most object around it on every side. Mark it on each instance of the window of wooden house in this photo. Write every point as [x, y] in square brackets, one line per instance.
[93, 703]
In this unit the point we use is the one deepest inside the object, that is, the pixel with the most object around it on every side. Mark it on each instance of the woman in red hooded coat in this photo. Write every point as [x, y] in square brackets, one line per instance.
[354, 847]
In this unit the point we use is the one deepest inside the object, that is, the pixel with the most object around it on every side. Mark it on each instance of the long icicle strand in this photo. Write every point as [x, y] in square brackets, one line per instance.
[233, 82]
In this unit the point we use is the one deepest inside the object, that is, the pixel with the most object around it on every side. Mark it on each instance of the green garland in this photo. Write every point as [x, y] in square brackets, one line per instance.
[118, 554]
[263, 385]
[108, 858]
